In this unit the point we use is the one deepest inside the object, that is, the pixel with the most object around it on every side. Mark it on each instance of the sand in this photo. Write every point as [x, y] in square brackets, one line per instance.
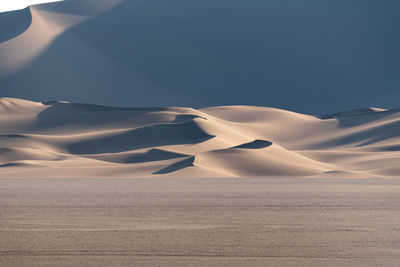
[199, 222]
[21, 4]
[68, 140]
[45, 22]
[277, 188]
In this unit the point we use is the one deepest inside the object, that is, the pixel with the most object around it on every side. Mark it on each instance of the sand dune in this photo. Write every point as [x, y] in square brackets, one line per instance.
[37, 27]
[192, 53]
[61, 139]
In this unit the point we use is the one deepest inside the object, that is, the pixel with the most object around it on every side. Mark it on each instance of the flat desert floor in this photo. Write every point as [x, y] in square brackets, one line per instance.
[199, 222]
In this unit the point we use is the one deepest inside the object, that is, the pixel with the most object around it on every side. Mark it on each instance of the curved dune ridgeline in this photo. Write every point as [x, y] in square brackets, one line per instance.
[61, 139]
[293, 55]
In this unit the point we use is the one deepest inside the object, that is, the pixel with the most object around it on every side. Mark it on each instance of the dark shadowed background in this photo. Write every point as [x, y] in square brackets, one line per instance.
[312, 56]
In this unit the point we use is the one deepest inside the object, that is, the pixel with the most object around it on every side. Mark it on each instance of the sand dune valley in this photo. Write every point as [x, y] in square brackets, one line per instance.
[60, 139]
[142, 160]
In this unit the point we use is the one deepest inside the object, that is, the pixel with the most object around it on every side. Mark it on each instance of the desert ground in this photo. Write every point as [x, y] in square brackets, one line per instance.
[199, 222]
[198, 185]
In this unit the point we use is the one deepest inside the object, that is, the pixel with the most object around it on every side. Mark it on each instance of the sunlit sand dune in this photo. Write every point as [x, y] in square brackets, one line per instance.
[38, 26]
[61, 139]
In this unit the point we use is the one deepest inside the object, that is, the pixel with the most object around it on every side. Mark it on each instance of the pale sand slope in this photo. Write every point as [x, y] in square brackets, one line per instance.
[62, 139]
[31, 31]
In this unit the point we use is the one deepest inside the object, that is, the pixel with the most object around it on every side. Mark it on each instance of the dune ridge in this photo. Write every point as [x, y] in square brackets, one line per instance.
[31, 31]
[61, 139]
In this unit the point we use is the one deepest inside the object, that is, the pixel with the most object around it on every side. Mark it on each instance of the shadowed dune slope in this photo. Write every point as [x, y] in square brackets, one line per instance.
[202, 53]
[17, 22]
[61, 139]
[26, 34]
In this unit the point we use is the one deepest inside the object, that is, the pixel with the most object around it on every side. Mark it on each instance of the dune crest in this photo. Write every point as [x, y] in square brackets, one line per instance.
[44, 23]
[61, 139]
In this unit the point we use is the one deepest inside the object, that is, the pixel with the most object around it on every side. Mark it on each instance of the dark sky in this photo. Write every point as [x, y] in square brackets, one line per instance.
[311, 56]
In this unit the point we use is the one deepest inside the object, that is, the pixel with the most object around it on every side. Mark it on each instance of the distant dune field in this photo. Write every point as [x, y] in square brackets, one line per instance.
[60, 139]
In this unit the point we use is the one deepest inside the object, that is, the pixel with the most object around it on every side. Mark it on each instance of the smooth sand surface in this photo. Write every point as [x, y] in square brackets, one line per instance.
[21, 4]
[67, 140]
[46, 23]
[199, 222]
